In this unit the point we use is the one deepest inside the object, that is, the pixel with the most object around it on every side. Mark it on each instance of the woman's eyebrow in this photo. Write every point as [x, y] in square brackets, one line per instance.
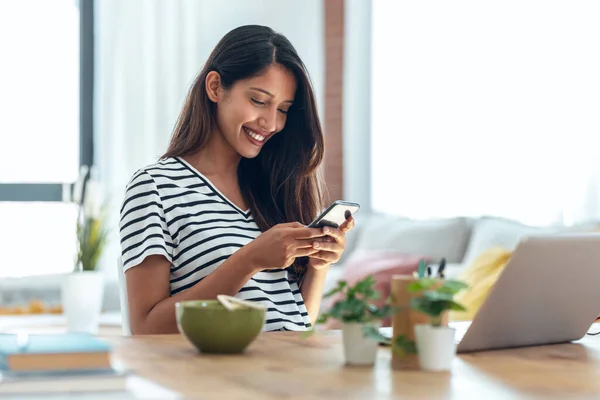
[268, 93]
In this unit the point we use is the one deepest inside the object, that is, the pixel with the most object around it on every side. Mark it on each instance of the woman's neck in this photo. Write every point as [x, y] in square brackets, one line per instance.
[217, 158]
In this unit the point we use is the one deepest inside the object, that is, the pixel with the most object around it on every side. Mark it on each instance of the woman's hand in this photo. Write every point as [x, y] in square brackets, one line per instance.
[332, 246]
[278, 247]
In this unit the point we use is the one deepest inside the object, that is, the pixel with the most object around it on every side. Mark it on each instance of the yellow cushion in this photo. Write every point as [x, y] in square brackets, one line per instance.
[480, 276]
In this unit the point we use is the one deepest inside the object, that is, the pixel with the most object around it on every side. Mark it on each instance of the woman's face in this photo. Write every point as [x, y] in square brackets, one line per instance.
[255, 109]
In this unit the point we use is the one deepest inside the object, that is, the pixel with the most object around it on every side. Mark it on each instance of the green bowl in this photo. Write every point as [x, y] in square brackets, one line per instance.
[212, 328]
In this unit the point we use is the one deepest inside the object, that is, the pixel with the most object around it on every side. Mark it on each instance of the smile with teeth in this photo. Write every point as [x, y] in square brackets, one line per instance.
[253, 134]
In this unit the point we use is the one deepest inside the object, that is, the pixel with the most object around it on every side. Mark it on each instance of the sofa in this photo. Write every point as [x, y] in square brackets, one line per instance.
[459, 240]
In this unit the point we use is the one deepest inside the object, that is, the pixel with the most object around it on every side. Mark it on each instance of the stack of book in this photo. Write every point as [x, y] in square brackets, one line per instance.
[57, 363]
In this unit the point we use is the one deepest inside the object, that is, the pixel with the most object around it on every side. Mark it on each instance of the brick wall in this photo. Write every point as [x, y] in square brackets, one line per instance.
[334, 64]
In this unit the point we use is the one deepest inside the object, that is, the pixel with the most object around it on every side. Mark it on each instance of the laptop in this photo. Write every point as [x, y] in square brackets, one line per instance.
[548, 293]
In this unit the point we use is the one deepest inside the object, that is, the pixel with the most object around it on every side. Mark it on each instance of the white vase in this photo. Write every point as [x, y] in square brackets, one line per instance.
[82, 294]
[435, 346]
[358, 349]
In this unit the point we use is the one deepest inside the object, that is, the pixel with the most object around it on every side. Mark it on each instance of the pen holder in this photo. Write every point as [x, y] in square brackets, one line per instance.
[403, 324]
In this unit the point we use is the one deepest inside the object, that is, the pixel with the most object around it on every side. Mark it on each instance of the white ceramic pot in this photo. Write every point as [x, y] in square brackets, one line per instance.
[82, 294]
[358, 349]
[436, 347]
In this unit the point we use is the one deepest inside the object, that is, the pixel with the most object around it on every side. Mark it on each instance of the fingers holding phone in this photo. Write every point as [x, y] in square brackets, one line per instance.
[332, 246]
[323, 241]
[278, 247]
[348, 224]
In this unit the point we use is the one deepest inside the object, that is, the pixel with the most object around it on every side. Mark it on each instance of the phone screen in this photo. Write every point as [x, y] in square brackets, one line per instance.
[335, 215]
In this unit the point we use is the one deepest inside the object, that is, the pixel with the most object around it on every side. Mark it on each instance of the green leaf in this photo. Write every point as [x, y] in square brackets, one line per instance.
[421, 284]
[452, 305]
[92, 236]
[365, 286]
[421, 304]
[323, 318]
[372, 332]
[452, 286]
[404, 345]
[437, 296]
[340, 287]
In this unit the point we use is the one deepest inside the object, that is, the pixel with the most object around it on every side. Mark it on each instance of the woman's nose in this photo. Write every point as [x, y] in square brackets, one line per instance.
[268, 121]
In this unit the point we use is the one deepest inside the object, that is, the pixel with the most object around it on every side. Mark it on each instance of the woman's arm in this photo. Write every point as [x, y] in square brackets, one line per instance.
[312, 290]
[153, 310]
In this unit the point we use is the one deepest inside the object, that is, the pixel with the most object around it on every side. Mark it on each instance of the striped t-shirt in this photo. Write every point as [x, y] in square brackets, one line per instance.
[171, 209]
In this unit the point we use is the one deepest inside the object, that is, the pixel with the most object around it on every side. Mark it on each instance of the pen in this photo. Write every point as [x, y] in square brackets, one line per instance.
[422, 268]
[441, 268]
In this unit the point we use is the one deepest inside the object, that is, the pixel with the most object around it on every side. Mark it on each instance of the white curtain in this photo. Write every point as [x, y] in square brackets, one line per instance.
[147, 53]
[487, 108]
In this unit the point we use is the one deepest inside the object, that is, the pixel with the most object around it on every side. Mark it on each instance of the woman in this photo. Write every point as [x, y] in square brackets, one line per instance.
[225, 209]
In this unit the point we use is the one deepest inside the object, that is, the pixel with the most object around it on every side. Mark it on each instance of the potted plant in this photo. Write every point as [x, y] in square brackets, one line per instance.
[435, 343]
[360, 319]
[83, 290]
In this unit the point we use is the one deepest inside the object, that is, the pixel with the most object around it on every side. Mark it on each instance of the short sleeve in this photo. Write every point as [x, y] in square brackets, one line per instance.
[143, 227]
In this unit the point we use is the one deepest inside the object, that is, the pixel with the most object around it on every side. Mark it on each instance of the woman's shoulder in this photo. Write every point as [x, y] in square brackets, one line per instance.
[165, 169]
[153, 184]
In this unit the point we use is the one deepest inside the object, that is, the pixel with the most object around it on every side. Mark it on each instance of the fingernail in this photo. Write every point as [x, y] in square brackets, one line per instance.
[325, 230]
[316, 245]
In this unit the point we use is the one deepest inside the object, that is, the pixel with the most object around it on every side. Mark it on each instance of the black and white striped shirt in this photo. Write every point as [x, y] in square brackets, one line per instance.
[171, 209]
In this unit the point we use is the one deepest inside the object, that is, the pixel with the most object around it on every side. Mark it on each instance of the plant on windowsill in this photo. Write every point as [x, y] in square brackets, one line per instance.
[83, 290]
[435, 343]
[92, 236]
[360, 319]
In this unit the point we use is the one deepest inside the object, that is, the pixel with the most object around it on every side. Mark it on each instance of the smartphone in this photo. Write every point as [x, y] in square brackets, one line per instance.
[335, 215]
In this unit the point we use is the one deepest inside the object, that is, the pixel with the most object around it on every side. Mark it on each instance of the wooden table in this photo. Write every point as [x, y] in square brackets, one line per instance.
[284, 365]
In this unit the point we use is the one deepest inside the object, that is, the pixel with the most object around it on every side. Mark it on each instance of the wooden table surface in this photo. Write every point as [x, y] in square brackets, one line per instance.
[284, 365]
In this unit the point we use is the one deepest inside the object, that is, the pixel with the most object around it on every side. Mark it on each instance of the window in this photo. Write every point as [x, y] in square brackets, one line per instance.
[485, 108]
[45, 130]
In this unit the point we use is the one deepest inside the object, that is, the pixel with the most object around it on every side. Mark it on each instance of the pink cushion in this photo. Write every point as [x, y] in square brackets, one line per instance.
[382, 265]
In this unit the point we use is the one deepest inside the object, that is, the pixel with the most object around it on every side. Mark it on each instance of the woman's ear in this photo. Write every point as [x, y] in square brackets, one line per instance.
[213, 86]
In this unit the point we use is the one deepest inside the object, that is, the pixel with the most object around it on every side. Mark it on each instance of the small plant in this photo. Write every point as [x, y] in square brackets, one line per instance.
[357, 306]
[92, 236]
[436, 297]
[92, 231]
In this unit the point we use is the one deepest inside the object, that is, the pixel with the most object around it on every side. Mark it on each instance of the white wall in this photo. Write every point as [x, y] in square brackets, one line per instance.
[486, 108]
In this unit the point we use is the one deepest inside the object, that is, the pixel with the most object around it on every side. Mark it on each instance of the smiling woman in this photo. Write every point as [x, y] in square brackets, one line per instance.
[225, 209]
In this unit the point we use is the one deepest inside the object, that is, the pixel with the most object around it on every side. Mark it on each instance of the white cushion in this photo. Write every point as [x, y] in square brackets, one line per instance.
[361, 221]
[490, 232]
[433, 238]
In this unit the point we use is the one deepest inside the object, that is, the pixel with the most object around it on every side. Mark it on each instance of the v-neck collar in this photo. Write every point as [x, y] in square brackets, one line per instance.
[212, 186]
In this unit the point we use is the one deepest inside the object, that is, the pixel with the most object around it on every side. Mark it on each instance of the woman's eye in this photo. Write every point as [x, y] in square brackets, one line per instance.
[260, 103]
[283, 111]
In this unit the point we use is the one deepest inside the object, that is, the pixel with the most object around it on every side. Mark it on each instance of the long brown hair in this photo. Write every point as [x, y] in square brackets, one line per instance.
[283, 183]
